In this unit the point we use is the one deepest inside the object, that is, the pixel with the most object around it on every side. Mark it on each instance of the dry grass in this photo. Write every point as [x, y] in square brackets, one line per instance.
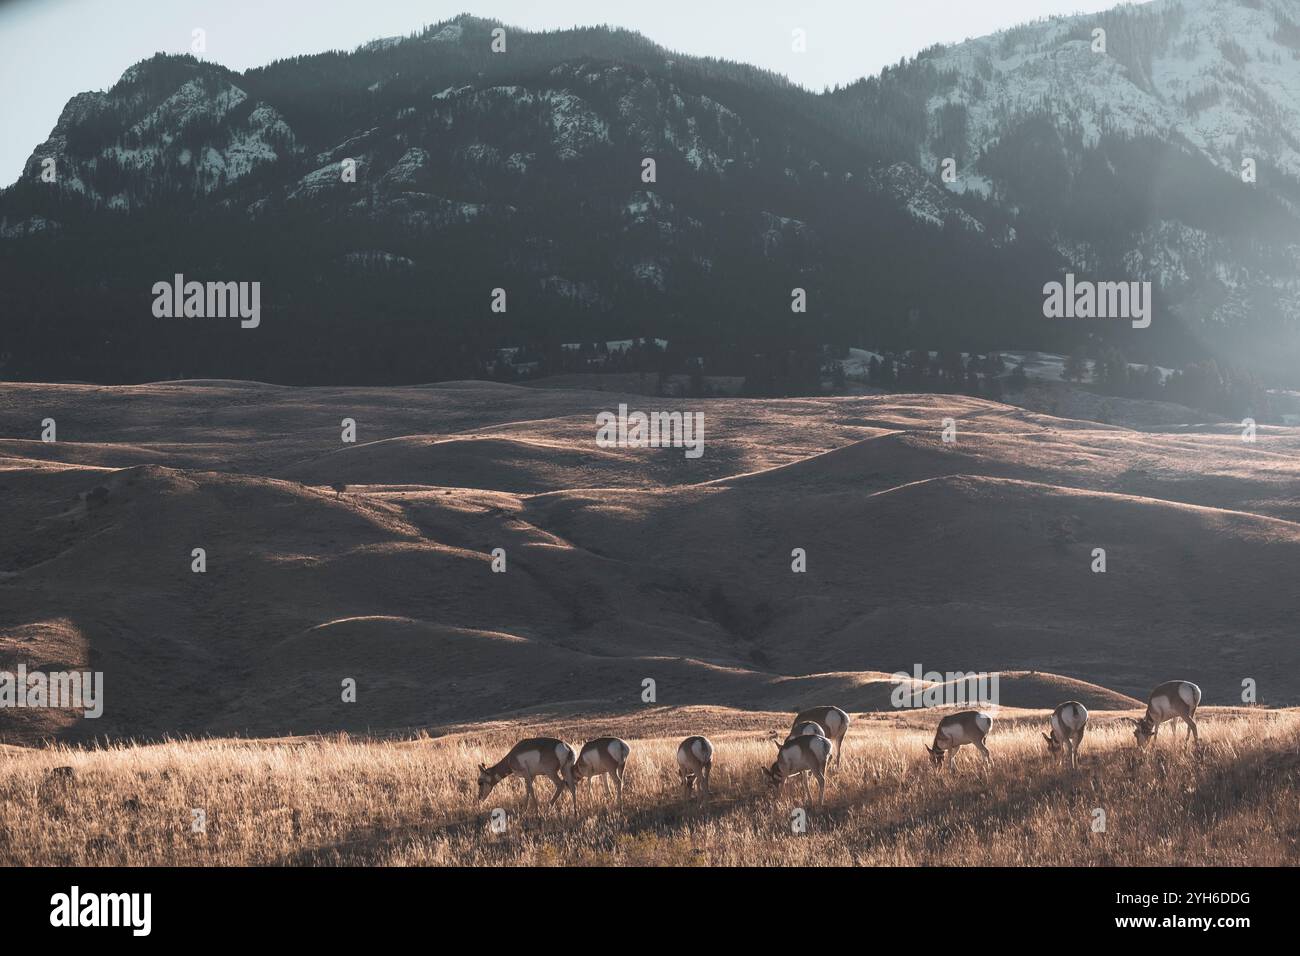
[342, 800]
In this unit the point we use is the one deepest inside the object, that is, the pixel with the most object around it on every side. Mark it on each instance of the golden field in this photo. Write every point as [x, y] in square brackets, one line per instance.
[357, 801]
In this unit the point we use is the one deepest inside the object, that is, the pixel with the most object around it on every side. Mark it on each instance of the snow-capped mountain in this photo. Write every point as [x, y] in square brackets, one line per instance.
[139, 143]
[611, 188]
[382, 195]
[1219, 76]
[1160, 140]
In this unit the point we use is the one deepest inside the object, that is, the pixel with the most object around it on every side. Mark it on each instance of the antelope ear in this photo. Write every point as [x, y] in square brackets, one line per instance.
[1047, 738]
[483, 768]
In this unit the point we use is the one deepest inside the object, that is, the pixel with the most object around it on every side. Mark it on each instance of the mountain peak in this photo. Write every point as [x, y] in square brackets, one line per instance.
[993, 166]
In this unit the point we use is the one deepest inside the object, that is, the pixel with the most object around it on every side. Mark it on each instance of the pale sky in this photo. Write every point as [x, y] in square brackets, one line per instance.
[52, 49]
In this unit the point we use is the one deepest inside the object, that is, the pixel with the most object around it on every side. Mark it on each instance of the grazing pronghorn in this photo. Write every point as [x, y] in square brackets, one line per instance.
[958, 730]
[1068, 721]
[805, 728]
[834, 723]
[535, 757]
[1171, 700]
[801, 755]
[603, 757]
[695, 762]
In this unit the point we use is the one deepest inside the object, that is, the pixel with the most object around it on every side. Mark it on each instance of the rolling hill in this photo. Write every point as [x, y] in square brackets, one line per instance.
[620, 566]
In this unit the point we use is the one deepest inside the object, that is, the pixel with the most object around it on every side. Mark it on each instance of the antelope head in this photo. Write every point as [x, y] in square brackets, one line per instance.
[773, 773]
[1143, 729]
[936, 755]
[1053, 745]
[486, 781]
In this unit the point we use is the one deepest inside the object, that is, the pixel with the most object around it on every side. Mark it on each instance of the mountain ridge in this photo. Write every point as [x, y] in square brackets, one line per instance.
[477, 171]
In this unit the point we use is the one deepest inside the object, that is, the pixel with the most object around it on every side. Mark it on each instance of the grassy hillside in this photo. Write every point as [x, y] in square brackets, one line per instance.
[622, 564]
[344, 800]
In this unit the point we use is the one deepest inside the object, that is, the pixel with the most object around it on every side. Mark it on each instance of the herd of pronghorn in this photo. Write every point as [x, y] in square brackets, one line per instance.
[815, 736]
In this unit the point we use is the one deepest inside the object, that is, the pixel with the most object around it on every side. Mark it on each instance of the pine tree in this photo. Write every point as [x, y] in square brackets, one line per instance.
[1076, 367]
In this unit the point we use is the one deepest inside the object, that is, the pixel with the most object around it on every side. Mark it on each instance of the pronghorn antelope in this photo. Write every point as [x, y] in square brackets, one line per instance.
[834, 723]
[958, 730]
[804, 728]
[801, 755]
[695, 762]
[1068, 721]
[603, 757]
[535, 757]
[1171, 700]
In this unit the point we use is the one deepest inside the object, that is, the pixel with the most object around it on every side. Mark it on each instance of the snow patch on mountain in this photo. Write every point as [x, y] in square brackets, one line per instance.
[317, 183]
[575, 126]
[406, 172]
[451, 33]
[1197, 84]
[924, 200]
[24, 228]
[376, 260]
[191, 103]
[1171, 254]
[649, 272]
